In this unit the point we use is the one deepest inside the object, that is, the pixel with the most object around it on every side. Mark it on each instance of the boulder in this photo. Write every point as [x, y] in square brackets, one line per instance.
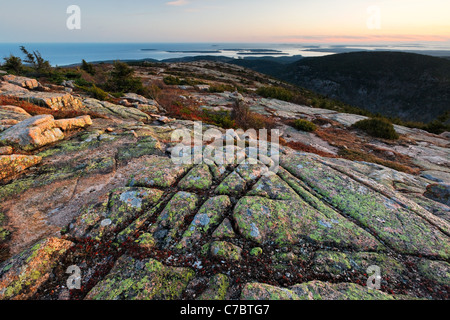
[38, 131]
[108, 109]
[23, 275]
[133, 97]
[51, 100]
[23, 82]
[32, 133]
[11, 165]
[70, 124]
[11, 115]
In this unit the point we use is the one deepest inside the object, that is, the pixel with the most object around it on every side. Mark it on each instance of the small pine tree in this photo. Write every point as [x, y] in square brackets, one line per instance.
[122, 79]
[13, 64]
[39, 64]
[88, 67]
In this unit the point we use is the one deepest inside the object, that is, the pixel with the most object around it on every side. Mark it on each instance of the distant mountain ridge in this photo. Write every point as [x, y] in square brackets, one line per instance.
[410, 86]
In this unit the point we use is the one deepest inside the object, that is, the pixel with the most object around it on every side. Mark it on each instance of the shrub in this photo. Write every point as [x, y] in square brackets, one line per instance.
[378, 128]
[221, 119]
[245, 119]
[175, 81]
[82, 82]
[13, 64]
[154, 91]
[88, 67]
[39, 64]
[279, 93]
[304, 125]
[172, 81]
[122, 79]
[98, 93]
[219, 88]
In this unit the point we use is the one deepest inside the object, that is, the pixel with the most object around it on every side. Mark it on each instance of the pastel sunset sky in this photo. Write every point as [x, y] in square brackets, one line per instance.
[259, 21]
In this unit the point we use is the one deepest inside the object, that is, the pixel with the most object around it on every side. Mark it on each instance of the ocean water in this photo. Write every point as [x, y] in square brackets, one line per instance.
[60, 54]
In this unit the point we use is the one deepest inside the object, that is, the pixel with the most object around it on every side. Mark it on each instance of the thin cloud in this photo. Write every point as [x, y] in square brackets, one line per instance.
[177, 3]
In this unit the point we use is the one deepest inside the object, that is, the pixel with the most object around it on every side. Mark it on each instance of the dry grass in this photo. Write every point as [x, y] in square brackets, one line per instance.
[298, 146]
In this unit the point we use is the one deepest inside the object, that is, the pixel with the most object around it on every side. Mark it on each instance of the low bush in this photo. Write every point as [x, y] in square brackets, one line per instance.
[13, 65]
[97, 93]
[88, 67]
[304, 125]
[279, 93]
[219, 88]
[175, 81]
[378, 128]
[122, 79]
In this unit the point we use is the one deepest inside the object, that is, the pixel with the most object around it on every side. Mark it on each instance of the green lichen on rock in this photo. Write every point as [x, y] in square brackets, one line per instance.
[22, 275]
[438, 271]
[168, 223]
[273, 187]
[133, 227]
[50, 173]
[145, 146]
[207, 218]
[146, 241]
[261, 291]
[124, 206]
[287, 222]
[400, 228]
[233, 185]
[199, 178]
[147, 279]
[251, 172]
[317, 290]
[87, 218]
[16, 187]
[4, 233]
[256, 252]
[338, 263]
[217, 288]
[224, 230]
[75, 145]
[11, 165]
[225, 250]
[158, 172]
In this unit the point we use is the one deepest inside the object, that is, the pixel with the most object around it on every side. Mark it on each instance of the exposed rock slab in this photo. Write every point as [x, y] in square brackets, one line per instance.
[11, 115]
[22, 276]
[23, 82]
[147, 279]
[14, 164]
[400, 228]
[38, 131]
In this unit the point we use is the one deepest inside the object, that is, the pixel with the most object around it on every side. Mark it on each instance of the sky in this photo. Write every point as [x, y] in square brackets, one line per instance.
[258, 21]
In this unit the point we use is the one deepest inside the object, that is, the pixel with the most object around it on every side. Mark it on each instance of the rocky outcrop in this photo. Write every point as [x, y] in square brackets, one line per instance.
[13, 164]
[32, 133]
[75, 123]
[10, 115]
[23, 275]
[108, 109]
[51, 100]
[109, 200]
[39, 131]
[23, 82]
